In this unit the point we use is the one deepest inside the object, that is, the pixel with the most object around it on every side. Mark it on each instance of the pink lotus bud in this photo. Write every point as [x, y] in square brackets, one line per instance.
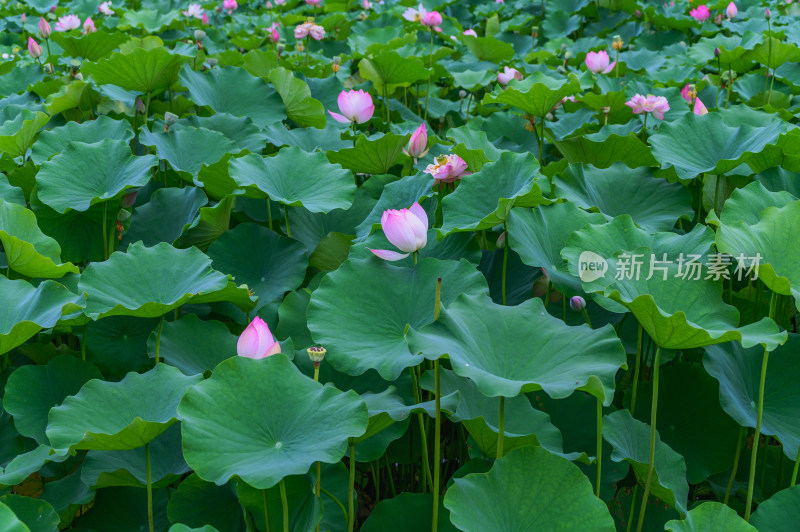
[128, 200]
[88, 26]
[431, 18]
[471, 32]
[274, 36]
[313, 2]
[366, 5]
[23, 18]
[44, 28]
[418, 143]
[269, 5]
[577, 303]
[33, 48]
[229, 5]
[637, 14]
[699, 108]
[767, 13]
[598, 62]
[356, 106]
[204, 19]
[501, 240]
[139, 104]
[700, 13]
[447, 168]
[685, 93]
[731, 10]
[405, 228]
[718, 19]
[256, 341]
[508, 74]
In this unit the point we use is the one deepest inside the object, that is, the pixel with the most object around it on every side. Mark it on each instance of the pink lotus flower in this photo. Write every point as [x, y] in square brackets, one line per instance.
[414, 15]
[280, 2]
[33, 48]
[314, 3]
[699, 107]
[418, 143]
[447, 168]
[598, 62]
[366, 4]
[204, 19]
[405, 228]
[44, 28]
[657, 105]
[274, 36]
[508, 74]
[356, 106]
[471, 33]
[105, 8]
[767, 13]
[431, 18]
[230, 6]
[23, 18]
[88, 26]
[685, 93]
[305, 29]
[700, 13]
[194, 11]
[256, 341]
[731, 10]
[68, 22]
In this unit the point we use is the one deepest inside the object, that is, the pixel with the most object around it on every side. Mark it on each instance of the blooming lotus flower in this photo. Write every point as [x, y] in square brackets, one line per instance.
[431, 18]
[447, 168]
[194, 11]
[33, 48]
[405, 228]
[598, 62]
[700, 13]
[414, 15]
[306, 29]
[314, 3]
[356, 106]
[366, 4]
[44, 28]
[280, 2]
[230, 6]
[471, 33]
[417, 144]
[256, 341]
[88, 26]
[685, 93]
[699, 107]
[105, 8]
[508, 74]
[68, 22]
[657, 105]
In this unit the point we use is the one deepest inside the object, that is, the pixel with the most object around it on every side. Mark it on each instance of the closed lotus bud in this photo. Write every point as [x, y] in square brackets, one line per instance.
[717, 52]
[767, 13]
[256, 341]
[33, 48]
[637, 14]
[44, 28]
[139, 105]
[128, 200]
[462, 94]
[199, 35]
[211, 62]
[23, 18]
[418, 143]
[316, 353]
[501, 240]
[577, 303]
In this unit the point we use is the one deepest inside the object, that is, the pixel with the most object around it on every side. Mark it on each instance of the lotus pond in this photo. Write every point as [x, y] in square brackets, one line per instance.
[328, 265]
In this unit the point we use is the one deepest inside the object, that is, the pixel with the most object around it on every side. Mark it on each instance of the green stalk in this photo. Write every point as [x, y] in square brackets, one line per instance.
[269, 213]
[428, 90]
[426, 471]
[351, 512]
[308, 46]
[83, 344]
[158, 337]
[644, 128]
[319, 464]
[285, 505]
[636, 370]
[501, 429]
[719, 72]
[769, 60]
[266, 509]
[286, 215]
[541, 146]
[742, 432]
[437, 442]
[633, 508]
[651, 462]
[149, 487]
[599, 445]
[505, 262]
[794, 471]
[146, 109]
[730, 82]
[105, 231]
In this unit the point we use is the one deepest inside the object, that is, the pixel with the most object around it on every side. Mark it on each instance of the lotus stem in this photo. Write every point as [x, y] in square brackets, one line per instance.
[105, 230]
[437, 442]
[308, 46]
[735, 465]
[633, 508]
[158, 338]
[83, 344]
[769, 60]
[541, 148]
[730, 82]
[719, 71]
[266, 509]
[505, 262]
[319, 464]
[285, 505]
[644, 128]
[337, 501]
[146, 109]
[149, 487]
[428, 90]
[269, 213]
[426, 471]
[651, 463]
[599, 457]
[286, 215]
[351, 512]
[794, 471]
[636, 369]
[501, 429]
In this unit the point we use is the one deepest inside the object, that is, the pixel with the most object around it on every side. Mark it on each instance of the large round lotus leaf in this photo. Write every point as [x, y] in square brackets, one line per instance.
[210, 224]
[135, 411]
[654, 204]
[385, 301]
[91, 46]
[141, 70]
[710, 517]
[194, 346]
[117, 345]
[307, 139]
[484, 199]
[29, 251]
[11, 193]
[273, 266]
[29, 462]
[163, 218]
[539, 235]
[614, 142]
[18, 133]
[65, 183]
[38, 515]
[149, 282]
[630, 439]
[697, 144]
[387, 67]
[375, 155]
[680, 305]
[54, 141]
[301, 108]
[240, 130]
[9, 522]
[27, 310]
[63, 376]
[738, 371]
[406, 511]
[297, 422]
[482, 341]
[528, 489]
[537, 94]
[746, 204]
[296, 178]
[234, 91]
[187, 149]
[779, 513]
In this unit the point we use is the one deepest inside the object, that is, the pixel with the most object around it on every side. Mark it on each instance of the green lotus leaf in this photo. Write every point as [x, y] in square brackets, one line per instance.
[163, 218]
[473, 79]
[298, 422]
[17, 134]
[28, 251]
[61, 377]
[403, 299]
[654, 204]
[18, 78]
[10, 521]
[371, 156]
[779, 512]
[478, 336]
[180, 527]
[68, 97]
[193, 345]
[560, 22]
[485, 199]
[746, 204]
[197, 502]
[307, 139]
[397, 195]
[149, 282]
[29, 310]
[772, 53]
[475, 139]
[135, 411]
[710, 516]
[187, 149]
[38, 515]
[10, 193]
[296, 178]
[141, 70]
[209, 225]
[64, 183]
[738, 371]
[151, 20]
[536, 95]
[91, 46]
[21, 466]
[528, 489]
[733, 50]
[630, 439]
[239, 130]
[488, 48]
[680, 305]
[54, 141]
[274, 266]
[126, 507]
[387, 67]
[234, 91]
[301, 108]
[406, 511]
